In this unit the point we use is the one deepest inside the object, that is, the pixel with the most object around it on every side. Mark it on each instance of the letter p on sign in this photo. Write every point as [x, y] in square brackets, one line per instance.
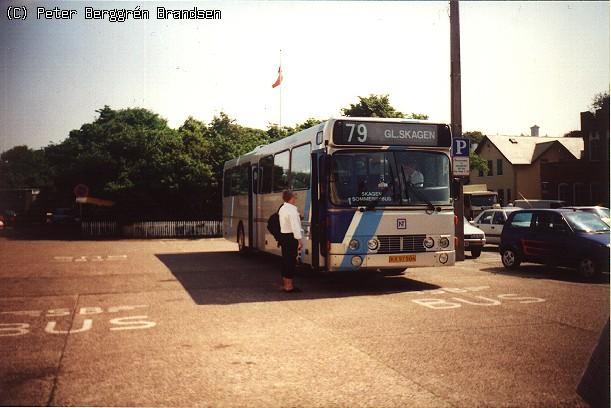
[460, 147]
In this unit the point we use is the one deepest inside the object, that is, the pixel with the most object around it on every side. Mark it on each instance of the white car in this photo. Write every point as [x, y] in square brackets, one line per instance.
[492, 221]
[475, 239]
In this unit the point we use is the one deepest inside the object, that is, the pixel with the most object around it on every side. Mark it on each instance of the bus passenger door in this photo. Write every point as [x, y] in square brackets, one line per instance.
[253, 183]
[318, 228]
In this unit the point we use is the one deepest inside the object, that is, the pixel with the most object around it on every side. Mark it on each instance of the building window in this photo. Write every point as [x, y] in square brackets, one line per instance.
[489, 168]
[595, 147]
[581, 194]
[597, 193]
[499, 166]
[564, 192]
[481, 173]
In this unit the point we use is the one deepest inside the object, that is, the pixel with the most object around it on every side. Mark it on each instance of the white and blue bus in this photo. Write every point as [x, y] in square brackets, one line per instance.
[361, 206]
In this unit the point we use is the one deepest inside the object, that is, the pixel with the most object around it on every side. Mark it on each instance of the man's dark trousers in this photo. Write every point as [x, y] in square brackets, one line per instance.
[289, 244]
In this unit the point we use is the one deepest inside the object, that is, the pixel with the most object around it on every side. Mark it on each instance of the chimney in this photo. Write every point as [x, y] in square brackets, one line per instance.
[534, 131]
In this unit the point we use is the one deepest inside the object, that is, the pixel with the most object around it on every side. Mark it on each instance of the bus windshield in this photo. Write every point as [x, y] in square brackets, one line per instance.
[387, 178]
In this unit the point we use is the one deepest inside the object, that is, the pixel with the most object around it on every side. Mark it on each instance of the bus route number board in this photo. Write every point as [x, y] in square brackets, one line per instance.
[401, 258]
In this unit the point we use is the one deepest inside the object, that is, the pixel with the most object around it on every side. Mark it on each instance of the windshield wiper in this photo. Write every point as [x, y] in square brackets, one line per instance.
[414, 190]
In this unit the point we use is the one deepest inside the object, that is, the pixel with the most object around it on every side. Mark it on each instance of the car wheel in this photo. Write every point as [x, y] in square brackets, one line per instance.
[476, 252]
[510, 258]
[588, 268]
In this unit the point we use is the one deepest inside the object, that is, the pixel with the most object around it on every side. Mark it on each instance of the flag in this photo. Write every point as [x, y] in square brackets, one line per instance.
[279, 80]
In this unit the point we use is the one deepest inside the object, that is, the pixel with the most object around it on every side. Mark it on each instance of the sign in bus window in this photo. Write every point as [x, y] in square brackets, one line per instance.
[347, 132]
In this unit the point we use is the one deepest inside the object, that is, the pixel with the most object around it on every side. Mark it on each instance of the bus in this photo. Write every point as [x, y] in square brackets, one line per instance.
[360, 204]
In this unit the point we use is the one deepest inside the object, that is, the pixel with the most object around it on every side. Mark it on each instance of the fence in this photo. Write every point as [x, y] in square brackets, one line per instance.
[153, 229]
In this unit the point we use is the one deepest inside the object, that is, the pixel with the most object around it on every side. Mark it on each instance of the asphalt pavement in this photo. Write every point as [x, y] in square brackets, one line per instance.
[192, 323]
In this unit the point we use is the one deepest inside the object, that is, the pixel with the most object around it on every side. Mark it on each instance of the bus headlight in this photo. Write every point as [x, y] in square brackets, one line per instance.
[444, 242]
[428, 242]
[443, 257]
[373, 244]
[357, 261]
[354, 244]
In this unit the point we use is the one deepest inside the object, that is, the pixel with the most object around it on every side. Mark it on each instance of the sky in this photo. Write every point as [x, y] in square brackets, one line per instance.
[522, 63]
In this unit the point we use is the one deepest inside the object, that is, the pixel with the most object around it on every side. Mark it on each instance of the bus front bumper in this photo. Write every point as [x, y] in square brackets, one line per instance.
[352, 262]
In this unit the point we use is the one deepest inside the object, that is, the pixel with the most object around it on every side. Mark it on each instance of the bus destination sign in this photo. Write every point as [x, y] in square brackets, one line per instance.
[389, 133]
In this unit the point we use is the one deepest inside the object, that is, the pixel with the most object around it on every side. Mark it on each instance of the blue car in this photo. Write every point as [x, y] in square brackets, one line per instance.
[556, 237]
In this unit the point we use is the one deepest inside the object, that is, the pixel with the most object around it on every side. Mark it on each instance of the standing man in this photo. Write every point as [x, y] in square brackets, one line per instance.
[290, 239]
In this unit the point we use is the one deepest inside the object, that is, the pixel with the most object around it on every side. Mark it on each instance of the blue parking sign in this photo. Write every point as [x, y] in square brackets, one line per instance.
[461, 147]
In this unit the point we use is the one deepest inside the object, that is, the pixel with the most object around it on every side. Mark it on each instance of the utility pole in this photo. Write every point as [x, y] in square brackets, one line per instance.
[457, 120]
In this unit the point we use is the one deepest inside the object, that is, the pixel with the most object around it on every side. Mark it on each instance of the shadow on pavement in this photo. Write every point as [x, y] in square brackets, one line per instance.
[537, 271]
[227, 278]
[48, 232]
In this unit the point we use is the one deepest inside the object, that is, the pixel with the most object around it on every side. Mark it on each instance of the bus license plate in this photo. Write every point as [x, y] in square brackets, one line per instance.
[401, 258]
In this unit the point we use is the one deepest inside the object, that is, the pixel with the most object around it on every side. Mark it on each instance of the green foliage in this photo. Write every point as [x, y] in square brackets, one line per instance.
[22, 167]
[132, 157]
[573, 133]
[377, 106]
[600, 101]
[477, 163]
[475, 136]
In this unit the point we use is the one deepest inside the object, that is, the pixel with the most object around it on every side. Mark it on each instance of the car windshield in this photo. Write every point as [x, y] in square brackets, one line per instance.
[586, 222]
[383, 178]
[602, 212]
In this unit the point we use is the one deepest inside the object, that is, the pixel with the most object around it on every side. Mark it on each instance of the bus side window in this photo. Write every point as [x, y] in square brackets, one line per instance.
[243, 179]
[281, 171]
[300, 167]
[227, 183]
[266, 165]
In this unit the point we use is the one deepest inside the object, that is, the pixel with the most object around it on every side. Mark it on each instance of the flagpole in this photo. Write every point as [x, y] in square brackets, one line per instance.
[280, 126]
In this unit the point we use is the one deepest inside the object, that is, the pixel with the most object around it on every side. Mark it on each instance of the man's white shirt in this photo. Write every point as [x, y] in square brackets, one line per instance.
[290, 222]
[416, 178]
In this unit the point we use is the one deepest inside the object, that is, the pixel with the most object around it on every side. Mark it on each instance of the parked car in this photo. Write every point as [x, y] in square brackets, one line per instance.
[492, 221]
[62, 216]
[556, 237]
[602, 212]
[8, 217]
[475, 239]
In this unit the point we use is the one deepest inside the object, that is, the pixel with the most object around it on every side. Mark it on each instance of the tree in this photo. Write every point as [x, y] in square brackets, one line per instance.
[477, 163]
[274, 132]
[600, 101]
[22, 167]
[475, 136]
[377, 106]
[573, 133]
[132, 157]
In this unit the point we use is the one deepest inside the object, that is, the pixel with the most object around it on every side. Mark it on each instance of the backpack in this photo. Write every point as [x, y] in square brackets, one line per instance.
[273, 225]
